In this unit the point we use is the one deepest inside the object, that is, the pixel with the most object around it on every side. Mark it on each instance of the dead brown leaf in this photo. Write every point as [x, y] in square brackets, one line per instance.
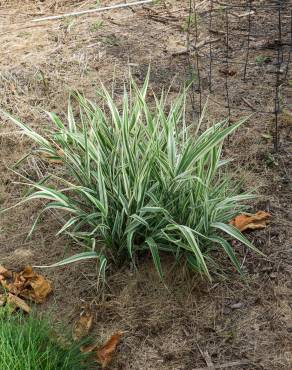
[36, 287]
[227, 72]
[83, 326]
[4, 273]
[254, 222]
[106, 352]
[54, 160]
[27, 284]
[16, 302]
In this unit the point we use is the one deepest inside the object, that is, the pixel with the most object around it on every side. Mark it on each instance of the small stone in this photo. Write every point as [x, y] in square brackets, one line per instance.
[236, 306]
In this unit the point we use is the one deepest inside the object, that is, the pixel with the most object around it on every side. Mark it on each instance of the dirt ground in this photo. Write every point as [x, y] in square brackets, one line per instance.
[191, 324]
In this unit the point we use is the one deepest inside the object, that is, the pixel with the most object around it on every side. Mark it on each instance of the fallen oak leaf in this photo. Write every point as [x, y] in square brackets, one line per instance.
[4, 273]
[82, 326]
[106, 352]
[27, 284]
[16, 302]
[36, 287]
[16, 285]
[257, 221]
[40, 289]
[27, 273]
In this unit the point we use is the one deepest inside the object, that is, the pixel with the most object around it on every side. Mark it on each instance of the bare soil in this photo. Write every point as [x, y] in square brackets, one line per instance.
[191, 323]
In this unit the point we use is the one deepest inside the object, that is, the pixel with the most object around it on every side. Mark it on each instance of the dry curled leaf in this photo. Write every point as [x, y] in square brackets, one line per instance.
[4, 273]
[16, 302]
[83, 326]
[50, 158]
[228, 72]
[106, 352]
[27, 284]
[254, 222]
[35, 287]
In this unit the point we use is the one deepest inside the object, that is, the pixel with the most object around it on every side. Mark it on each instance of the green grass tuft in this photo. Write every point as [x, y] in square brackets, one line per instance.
[139, 179]
[28, 342]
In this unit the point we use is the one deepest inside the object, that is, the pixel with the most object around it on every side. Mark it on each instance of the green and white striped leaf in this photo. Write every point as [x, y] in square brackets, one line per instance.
[76, 258]
[236, 234]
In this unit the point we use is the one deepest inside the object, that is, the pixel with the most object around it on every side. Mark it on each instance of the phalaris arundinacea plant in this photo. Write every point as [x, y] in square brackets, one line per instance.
[138, 178]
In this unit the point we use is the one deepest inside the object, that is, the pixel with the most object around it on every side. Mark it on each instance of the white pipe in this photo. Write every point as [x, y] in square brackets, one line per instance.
[117, 6]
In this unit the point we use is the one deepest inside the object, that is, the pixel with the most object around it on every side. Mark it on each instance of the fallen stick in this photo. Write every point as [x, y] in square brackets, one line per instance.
[217, 32]
[103, 9]
[197, 46]
[243, 14]
[160, 19]
[205, 42]
[248, 103]
[225, 366]
[208, 360]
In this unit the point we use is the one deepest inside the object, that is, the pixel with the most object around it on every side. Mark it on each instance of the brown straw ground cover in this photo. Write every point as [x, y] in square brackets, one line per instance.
[243, 324]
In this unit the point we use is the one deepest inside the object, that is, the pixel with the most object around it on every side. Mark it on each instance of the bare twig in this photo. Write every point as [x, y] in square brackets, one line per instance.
[10, 133]
[246, 14]
[190, 68]
[240, 109]
[210, 46]
[197, 46]
[290, 49]
[103, 9]
[197, 60]
[248, 104]
[207, 41]
[248, 41]
[226, 365]
[227, 63]
[160, 19]
[279, 64]
[208, 360]
[217, 32]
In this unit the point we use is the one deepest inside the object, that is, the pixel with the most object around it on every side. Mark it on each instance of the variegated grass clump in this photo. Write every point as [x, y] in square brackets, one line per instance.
[138, 178]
